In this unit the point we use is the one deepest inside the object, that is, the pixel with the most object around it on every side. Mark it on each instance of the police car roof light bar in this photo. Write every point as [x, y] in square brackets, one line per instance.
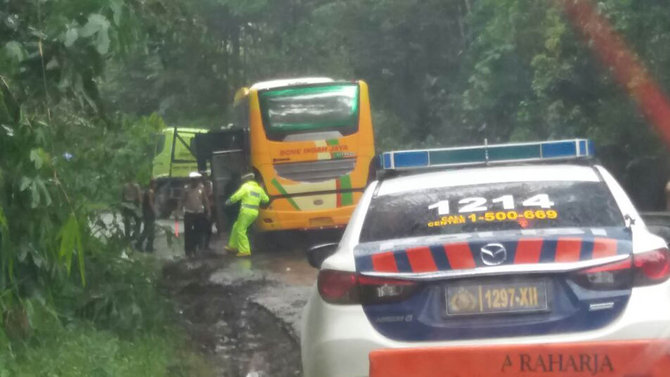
[543, 151]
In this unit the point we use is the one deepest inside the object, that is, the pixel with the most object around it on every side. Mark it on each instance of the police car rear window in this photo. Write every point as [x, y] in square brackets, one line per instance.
[490, 207]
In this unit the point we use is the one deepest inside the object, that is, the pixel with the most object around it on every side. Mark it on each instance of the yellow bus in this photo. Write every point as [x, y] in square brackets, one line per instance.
[311, 144]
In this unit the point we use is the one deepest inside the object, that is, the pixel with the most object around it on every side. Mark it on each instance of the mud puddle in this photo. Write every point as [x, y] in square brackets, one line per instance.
[241, 338]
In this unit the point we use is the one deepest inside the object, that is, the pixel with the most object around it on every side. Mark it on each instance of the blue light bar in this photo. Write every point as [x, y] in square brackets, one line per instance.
[488, 154]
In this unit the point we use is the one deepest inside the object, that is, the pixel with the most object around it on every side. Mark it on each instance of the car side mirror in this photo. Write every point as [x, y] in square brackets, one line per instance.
[317, 254]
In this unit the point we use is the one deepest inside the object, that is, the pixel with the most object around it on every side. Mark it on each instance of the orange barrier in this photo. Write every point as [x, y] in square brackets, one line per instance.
[603, 359]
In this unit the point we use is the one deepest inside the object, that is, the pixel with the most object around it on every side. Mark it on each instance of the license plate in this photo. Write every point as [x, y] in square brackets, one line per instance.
[492, 298]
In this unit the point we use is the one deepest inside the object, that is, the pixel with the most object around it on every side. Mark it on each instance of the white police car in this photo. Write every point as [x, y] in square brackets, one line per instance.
[514, 267]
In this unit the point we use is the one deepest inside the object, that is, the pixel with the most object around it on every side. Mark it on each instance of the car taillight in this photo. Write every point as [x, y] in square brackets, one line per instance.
[652, 267]
[338, 287]
[648, 268]
[610, 276]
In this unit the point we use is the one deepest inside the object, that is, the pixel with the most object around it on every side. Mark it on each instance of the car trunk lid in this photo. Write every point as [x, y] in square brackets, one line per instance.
[507, 283]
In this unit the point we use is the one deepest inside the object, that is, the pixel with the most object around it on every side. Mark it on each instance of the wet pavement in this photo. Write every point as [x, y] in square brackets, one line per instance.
[243, 313]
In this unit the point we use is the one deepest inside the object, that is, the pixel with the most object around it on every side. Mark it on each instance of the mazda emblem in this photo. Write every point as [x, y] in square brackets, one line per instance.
[493, 254]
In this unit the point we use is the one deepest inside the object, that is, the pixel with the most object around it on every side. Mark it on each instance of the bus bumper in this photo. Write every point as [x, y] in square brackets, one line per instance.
[271, 220]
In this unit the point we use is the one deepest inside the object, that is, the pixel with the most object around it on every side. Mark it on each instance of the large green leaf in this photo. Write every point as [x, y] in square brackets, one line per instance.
[24, 183]
[103, 42]
[39, 194]
[44, 193]
[15, 50]
[36, 158]
[71, 36]
[98, 25]
[117, 11]
[95, 23]
[70, 244]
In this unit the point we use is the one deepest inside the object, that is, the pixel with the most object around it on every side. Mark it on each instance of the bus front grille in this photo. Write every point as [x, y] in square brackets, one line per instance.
[315, 171]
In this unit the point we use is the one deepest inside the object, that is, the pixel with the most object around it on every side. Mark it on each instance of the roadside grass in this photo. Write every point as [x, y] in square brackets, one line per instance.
[84, 351]
[118, 325]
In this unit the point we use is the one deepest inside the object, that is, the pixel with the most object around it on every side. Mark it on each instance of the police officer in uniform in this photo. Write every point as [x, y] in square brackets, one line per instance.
[195, 205]
[251, 195]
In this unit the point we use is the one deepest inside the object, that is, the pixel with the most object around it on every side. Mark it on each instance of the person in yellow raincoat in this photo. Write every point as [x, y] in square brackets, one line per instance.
[251, 194]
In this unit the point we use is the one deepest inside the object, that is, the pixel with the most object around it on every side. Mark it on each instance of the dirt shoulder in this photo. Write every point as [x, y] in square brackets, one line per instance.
[243, 314]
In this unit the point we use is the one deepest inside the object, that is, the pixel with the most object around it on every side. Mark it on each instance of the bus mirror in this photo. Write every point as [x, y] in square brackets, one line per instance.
[240, 95]
[317, 254]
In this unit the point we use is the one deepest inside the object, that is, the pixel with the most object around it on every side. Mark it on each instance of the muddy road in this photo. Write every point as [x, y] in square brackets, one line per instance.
[244, 314]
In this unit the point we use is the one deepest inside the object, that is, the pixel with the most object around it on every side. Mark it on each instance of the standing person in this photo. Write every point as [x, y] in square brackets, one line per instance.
[251, 195]
[148, 218]
[131, 201]
[195, 207]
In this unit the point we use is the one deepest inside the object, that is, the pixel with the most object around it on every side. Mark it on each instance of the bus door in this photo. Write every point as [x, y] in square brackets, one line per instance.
[227, 168]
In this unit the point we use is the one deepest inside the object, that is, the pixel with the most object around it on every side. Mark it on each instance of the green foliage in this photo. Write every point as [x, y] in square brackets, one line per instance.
[85, 351]
[70, 243]
[117, 325]
[451, 71]
[121, 296]
[84, 85]
[63, 159]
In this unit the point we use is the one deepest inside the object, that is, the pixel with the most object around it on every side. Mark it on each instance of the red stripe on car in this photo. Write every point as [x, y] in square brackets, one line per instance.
[384, 262]
[421, 259]
[604, 247]
[528, 251]
[568, 249]
[459, 256]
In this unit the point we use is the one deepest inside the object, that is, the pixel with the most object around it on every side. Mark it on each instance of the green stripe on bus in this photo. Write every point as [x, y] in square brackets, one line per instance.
[310, 90]
[281, 189]
[347, 197]
[332, 142]
[278, 126]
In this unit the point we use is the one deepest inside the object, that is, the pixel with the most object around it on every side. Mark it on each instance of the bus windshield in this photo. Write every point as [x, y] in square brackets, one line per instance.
[332, 107]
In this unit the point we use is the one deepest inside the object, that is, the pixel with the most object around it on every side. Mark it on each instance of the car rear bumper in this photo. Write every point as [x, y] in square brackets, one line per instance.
[337, 340]
[269, 220]
[649, 358]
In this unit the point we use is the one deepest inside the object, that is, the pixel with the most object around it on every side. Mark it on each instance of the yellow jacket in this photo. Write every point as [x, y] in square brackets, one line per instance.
[251, 194]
